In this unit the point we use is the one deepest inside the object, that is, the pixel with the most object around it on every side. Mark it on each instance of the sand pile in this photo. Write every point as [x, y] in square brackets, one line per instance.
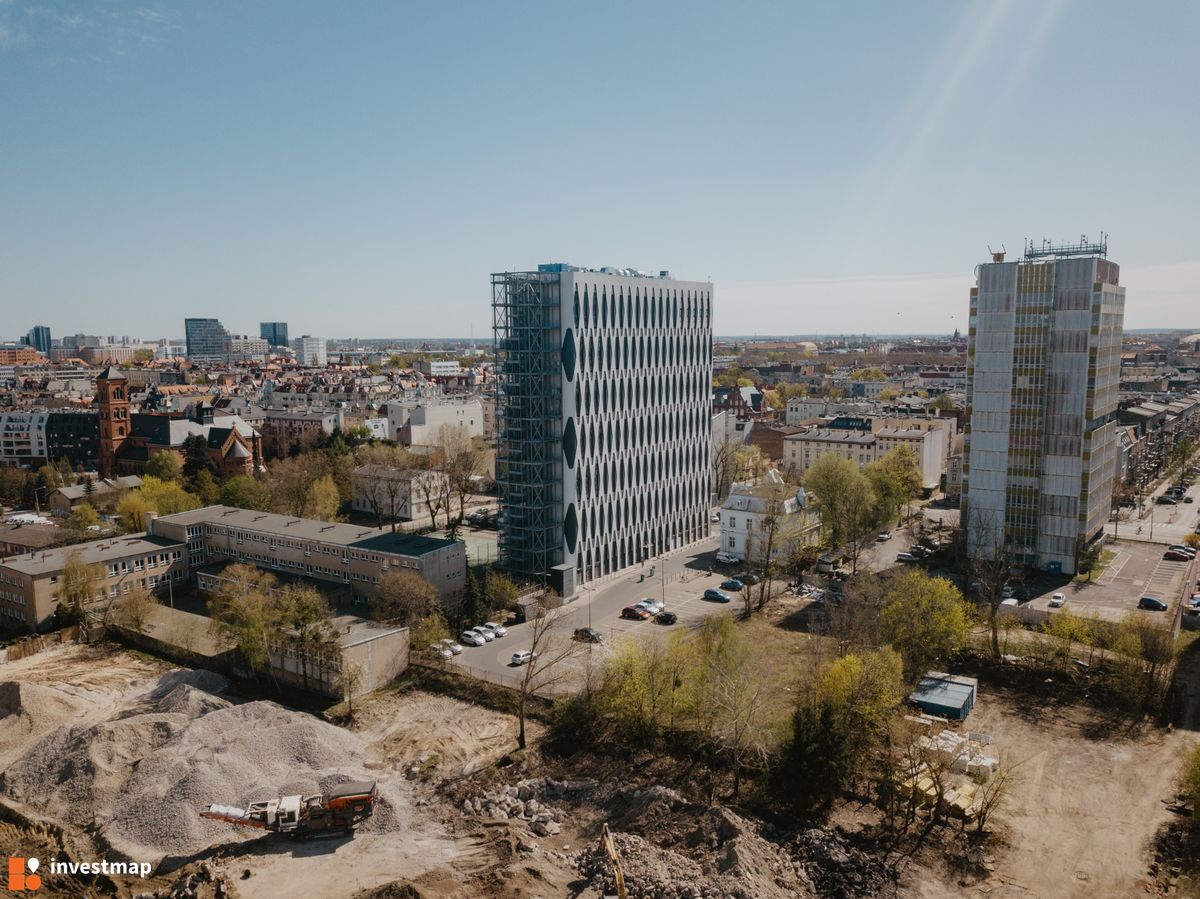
[144, 776]
[30, 710]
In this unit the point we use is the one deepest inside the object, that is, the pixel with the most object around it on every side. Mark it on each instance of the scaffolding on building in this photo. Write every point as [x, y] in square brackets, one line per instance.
[1049, 250]
[526, 323]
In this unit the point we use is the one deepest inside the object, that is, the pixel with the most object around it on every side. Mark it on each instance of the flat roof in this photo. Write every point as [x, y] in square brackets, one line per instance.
[366, 538]
[51, 561]
[944, 690]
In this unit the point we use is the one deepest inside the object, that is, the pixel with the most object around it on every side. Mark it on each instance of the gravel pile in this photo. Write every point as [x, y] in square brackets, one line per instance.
[143, 777]
[838, 869]
[650, 872]
[27, 710]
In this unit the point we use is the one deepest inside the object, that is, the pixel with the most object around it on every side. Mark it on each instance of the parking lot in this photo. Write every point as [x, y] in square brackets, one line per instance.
[1137, 569]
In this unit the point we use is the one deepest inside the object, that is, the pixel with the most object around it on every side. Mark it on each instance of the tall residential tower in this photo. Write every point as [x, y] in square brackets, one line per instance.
[605, 379]
[1043, 370]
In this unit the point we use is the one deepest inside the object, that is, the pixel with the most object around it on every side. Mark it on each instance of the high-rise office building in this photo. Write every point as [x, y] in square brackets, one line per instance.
[39, 338]
[310, 350]
[205, 338]
[604, 385]
[274, 333]
[1043, 371]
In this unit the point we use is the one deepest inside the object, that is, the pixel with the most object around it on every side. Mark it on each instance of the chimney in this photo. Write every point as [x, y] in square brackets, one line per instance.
[148, 521]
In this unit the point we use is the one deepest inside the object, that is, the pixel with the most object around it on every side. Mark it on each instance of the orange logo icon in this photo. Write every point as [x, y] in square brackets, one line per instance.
[20, 879]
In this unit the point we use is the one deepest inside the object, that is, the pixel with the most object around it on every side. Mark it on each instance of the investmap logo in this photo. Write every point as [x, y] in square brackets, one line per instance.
[22, 874]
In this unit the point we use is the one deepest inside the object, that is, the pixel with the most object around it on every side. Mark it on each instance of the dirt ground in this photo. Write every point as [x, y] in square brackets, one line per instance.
[1087, 804]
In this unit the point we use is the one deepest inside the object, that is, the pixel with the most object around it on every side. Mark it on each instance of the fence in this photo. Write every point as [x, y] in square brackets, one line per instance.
[34, 645]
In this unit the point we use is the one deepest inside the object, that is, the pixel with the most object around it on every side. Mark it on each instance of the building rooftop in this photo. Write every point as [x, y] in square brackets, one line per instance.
[365, 538]
[51, 561]
[827, 435]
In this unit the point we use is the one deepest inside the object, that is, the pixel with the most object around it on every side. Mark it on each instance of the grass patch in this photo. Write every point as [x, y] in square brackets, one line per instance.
[1106, 558]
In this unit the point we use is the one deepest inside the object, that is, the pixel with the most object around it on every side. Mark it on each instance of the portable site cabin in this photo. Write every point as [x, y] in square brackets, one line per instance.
[945, 695]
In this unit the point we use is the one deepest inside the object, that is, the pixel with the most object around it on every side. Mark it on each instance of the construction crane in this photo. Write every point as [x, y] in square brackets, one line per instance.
[337, 812]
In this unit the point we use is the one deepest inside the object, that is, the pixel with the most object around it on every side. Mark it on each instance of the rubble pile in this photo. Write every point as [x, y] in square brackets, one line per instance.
[199, 882]
[527, 800]
[650, 872]
[836, 868]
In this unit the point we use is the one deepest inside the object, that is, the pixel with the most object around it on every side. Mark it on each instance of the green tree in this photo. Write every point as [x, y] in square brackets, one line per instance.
[502, 592]
[84, 517]
[165, 466]
[79, 584]
[923, 618]
[131, 511]
[204, 487]
[429, 631]
[195, 455]
[243, 491]
[245, 610]
[403, 597]
[845, 500]
[868, 374]
[943, 403]
[49, 477]
[307, 625]
[322, 500]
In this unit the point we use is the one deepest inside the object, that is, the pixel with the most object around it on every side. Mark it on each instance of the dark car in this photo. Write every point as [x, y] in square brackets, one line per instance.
[587, 635]
[732, 584]
[634, 613]
[1167, 501]
[749, 578]
[717, 595]
[1150, 604]
[666, 617]
[1188, 499]
[1174, 555]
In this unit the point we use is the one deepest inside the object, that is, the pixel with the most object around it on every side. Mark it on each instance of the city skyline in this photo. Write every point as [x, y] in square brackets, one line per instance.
[191, 162]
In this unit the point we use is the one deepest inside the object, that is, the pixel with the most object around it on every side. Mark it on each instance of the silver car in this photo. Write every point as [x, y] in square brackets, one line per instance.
[454, 648]
[498, 629]
[483, 632]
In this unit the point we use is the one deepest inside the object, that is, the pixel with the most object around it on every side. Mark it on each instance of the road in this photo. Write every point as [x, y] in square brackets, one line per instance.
[1159, 524]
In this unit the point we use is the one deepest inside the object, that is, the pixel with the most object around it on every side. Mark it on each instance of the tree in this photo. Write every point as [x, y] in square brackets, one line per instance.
[245, 610]
[204, 487]
[433, 489]
[165, 466]
[895, 479]
[872, 373]
[403, 597]
[160, 497]
[737, 688]
[380, 480]
[50, 478]
[724, 467]
[923, 618]
[460, 461]
[1192, 540]
[845, 500]
[195, 455]
[994, 792]
[1068, 629]
[1089, 557]
[243, 491]
[287, 483]
[943, 403]
[84, 517]
[79, 584]
[429, 631]
[135, 610]
[500, 590]
[131, 511]
[307, 624]
[322, 500]
[551, 650]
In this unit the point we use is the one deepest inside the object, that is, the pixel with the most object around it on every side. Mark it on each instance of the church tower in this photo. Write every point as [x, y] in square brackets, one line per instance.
[112, 398]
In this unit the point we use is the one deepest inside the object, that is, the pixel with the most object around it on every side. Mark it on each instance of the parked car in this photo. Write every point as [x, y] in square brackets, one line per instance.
[1008, 592]
[749, 578]
[1150, 604]
[1188, 499]
[439, 650]
[523, 657]
[634, 613]
[651, 605]
[1165, 500]
[1058, 600]
[587, 635]
[498, 629]
[732, 584]
[1183, 548]
[1174, 555]
[716, 516]
[884, 536]
[455, 648]
[726, 558]
[717, 595]
[666, 618]
[906, 557]
[471, 638]
[479, 516]
[487, 635]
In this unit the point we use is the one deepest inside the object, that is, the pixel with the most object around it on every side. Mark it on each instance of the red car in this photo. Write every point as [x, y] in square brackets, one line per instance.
[634, 613]
[1172, 555]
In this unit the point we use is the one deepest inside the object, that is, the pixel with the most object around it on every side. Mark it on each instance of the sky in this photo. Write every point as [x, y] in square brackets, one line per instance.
[359, 169]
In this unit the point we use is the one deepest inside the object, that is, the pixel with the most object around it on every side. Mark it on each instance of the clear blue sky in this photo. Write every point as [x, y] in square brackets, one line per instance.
[360, 168]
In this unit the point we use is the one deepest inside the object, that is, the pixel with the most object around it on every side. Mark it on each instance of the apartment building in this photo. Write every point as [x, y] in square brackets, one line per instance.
[1043, 368]
[746, 525]
[426, 421]
[397, 494]
[866, 444]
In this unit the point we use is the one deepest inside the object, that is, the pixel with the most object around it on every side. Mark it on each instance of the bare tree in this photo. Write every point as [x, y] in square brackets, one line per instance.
[551, 649]
[995, 791]
[724, 467]
[989, 570]
[461, 462]
[431, 484]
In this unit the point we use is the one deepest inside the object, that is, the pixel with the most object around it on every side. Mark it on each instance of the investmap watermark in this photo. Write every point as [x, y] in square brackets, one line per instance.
[25, 874]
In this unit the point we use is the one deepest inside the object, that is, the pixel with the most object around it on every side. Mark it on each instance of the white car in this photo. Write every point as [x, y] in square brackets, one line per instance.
[440, 650]
[498, 629]
[471, 638]
[653, 606]
[726, 558]
[454, 648]
[884, 536]
[1009, 591]
[1058, 600]
[716, 516]
[523, 657]
[483, 632]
